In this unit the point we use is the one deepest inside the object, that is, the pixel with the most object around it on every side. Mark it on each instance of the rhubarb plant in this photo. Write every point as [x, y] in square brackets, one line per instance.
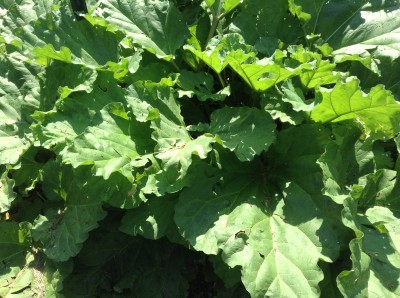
[176, 148]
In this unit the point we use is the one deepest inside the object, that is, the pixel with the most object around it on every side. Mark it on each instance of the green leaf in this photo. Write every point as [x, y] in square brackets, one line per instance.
[157, 103]
[70, 117]
[280, 106]
[263, 74]
[16, 275]
[375, 254]
[321, 72]
[339, 163]
[219, 49]
[201, 85]
[27, 172]
[153, 220]
[346, 101]
[18, 99]
[33, 275]
[109, 146]
[175, 147]
[230, 276]
[176, 157]
[62, 231]
[67, 39]
[158, 27]
[295, 97]
[263, 19]
[14, 240]
[229, 5]
[236, 129]
[226, 5]
[7, 195]
[44, 54]
[294, 156]
[376, 189]
[60, 80]
[233, 217]
[245, 131]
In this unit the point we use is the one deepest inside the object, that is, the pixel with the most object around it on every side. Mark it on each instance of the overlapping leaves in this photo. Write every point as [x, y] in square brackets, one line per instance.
[262, 134]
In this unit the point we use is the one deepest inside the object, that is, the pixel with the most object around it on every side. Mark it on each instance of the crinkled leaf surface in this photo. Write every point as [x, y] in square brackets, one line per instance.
[56, 128]
[256, 236]
[62, 231]
[201, 85]
[175, 146]
[340, 163]
[321, 72]
[295, 97]
[60, 80]
[192, 121]
[176, 156]
[34, 275]
[266, 21]
[219, 49]
[245, 131]
[295, 153]
[263, 74]
[18, 99]
[108, 147]
[55, 35]
[375, 253]
[347, 101]
[157, 26]
[376, 189]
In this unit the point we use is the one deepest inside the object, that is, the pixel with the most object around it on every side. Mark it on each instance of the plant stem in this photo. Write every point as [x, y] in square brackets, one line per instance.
[213, 28]
[221, 80]
[176, 66]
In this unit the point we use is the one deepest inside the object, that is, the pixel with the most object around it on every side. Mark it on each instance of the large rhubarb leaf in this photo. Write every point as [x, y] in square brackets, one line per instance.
[71, 116]
[356, 27]
[175, 147]
[263, 74]
[236, 215]
[62, 231]
[179, 148]
[266, 23]
[56, 36]
[108, 146]
[18, 100]
[346, 101]
[157, 26]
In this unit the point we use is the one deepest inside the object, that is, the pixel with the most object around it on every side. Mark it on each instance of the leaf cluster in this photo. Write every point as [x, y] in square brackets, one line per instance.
[216, 148]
